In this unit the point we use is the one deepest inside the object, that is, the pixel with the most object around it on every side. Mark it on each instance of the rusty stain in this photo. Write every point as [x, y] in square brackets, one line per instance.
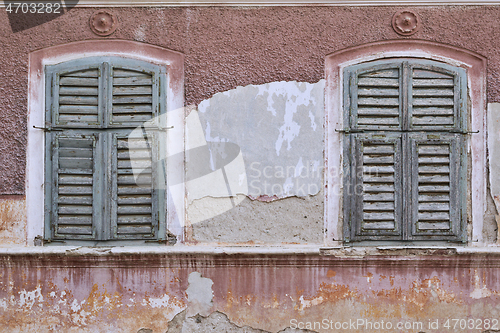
[330, 273]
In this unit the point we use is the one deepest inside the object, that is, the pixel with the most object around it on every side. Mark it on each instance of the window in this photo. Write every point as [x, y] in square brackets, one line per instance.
[103, 157]
[405, 151]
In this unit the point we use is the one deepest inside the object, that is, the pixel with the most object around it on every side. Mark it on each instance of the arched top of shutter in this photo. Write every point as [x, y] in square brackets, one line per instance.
[102, 92]
[405, 95]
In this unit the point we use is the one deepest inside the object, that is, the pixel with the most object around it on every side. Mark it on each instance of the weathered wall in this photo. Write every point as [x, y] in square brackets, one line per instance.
[229, 47]
[228, 52]
[124, 293]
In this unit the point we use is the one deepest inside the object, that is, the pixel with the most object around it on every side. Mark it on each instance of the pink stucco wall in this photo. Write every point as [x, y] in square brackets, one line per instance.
[227, 47]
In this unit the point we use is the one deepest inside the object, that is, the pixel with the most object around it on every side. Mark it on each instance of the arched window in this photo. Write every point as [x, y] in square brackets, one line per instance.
[405, 144]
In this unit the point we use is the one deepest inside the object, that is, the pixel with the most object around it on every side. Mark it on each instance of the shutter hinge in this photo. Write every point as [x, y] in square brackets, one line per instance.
[47, 129]
[464, 132]
[347, 131]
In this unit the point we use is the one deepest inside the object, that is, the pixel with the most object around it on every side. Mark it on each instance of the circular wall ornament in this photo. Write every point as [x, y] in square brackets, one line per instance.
[103, 23]
[405, 22]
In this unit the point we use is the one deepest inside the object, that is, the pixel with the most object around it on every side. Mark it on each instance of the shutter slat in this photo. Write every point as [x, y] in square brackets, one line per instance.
[379, 226]
[79, 109]
[75, 152]
[76, 200]
[78, 91]
[378, 82]
[379, 112]
[132, 108]
[432, 83]
[78, 100]
[133, 81]
[440, 226]
[74, 231]
[75, 180]
[381, 102]
[79, 82]
[432, 101]
[134, 230]
[378, 121]
[426, 74]
[132, 90]
[432, 92]
[433, 111]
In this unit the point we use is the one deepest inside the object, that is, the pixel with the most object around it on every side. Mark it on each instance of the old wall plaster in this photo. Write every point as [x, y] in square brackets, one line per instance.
[124, 293]
[12, 221]
[264, 142]
[279, 129]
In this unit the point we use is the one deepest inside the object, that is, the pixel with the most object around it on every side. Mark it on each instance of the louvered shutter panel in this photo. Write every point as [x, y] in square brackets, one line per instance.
[437, 184]
[435, 97]
[375, 96]
[376, 206]
[75, 186]
[76, 100]
[134, 96]
[135, 211]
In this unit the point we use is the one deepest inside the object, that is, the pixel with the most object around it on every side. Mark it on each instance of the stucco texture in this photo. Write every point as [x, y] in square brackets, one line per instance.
[229, 47]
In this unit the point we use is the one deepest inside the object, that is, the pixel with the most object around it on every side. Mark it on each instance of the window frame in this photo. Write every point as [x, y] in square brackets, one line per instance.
[173, 63]
[475, 66]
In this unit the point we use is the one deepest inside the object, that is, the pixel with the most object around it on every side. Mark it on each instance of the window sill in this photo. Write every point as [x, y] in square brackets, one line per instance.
[300, 250]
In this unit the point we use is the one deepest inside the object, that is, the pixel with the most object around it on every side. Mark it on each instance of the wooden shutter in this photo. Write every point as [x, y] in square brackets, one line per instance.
[437, 185]
[135, 208]
[375, 96]
[93, 105]
[134, 96]
[75, 186]
[77, 97]
[435, 97]
[406, 112]
[376, 200]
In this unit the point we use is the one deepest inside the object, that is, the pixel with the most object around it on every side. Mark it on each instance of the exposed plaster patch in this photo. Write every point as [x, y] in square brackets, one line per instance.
[276, 127]
[291, 220]
[215, 322]
[29, 298]
[12, 222]
[479, 292]
[200, 294]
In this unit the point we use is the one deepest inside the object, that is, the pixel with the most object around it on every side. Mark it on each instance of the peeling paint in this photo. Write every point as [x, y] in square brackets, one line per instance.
[276, 126]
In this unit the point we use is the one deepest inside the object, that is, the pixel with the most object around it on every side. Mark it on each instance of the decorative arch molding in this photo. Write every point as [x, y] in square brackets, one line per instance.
[174, 64]
[473, 63]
